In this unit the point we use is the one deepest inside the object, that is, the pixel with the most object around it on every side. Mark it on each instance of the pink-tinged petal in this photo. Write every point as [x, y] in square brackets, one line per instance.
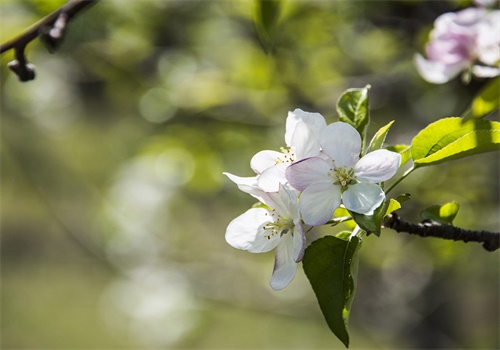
[314, 121]
[437, 72]
[318, 202]
[264, 160]
[363, 198]
[305, 142]
[284, 265]
[247, 232]
[377, 166]
[306, 172]
[272, 177]
[342, 143]
[299, 243]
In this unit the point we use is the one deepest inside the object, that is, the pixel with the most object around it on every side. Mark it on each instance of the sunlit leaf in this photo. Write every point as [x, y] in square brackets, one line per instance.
[331, 265]
[353, 108]
[392, 206]
[444, 214]
[486, 101]
[343, 212]
[379, 138]
[404, 150]
[453, 138]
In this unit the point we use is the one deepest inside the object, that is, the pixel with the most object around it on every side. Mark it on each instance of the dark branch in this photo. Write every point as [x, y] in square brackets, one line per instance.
[50, 29]
[490, 240]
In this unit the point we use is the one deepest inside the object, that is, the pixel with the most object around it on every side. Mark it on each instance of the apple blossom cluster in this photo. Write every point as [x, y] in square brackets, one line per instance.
[301, 186]
[466, 41]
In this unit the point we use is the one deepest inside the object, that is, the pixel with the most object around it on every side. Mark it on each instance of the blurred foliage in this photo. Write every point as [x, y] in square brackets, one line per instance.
[114, 207]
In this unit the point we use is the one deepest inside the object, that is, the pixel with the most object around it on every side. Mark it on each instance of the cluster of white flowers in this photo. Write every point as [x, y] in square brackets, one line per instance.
[303, 185]
[464, 41]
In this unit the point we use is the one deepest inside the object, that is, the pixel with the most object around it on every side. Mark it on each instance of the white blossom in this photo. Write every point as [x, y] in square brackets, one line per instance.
[325, 183]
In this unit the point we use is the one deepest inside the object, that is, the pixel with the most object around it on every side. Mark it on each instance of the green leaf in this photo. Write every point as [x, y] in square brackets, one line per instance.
[266, 16]
[331, 265]
[371, 223]
[453, 138]
[352, 108]
[379, 138]
[486, 101]
[444, 214]
[404, 150]
[403, 197]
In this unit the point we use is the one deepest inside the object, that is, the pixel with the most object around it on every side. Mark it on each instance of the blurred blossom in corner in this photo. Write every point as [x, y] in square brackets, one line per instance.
[466, 42]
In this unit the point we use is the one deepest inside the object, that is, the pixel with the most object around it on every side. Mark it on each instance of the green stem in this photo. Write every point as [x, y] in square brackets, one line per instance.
[408, 172]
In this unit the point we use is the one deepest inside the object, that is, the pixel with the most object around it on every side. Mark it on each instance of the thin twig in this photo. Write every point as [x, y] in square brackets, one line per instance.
[490, 240]
[50, 29]
[70, 9]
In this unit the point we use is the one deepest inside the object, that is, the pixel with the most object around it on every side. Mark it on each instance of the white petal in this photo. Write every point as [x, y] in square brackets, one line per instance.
[342, 143]
[246, 232]
[282, 200]
[305, 142]
[363, 198]
[272, 177]
[284, 265]
[306, 172]
[314, 121]
[299, 243]
[437, 72]
[248, 185]
[263, 160]
[485, 72]
[318, 202]
[377, 166]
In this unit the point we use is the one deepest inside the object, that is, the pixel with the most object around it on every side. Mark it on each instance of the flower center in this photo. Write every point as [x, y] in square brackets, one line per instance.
[288, 156]
[281, 225]
[343, 176]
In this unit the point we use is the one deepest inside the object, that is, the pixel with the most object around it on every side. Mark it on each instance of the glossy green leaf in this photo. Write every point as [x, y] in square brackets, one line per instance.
[403, 197]
[371, 223]
[404, 150]
[331, 265]
[353, 108]
[379, 138]
[444, 214]
[487, 101]
[453, 138]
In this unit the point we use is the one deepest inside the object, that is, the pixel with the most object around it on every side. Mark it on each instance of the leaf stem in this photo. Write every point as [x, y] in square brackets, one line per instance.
[408, 172]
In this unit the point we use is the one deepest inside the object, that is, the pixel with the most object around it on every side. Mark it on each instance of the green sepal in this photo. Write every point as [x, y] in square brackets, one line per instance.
[331, 265]
[444, 214]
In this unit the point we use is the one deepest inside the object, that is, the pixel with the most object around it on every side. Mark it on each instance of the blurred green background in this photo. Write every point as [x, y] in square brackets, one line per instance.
[114, 206]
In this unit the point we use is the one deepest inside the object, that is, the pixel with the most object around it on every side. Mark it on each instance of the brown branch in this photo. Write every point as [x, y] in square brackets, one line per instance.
[490, 240]
[51, 30]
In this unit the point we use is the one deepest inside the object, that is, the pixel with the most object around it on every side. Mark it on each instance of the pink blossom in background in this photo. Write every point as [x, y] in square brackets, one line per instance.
[464, 41]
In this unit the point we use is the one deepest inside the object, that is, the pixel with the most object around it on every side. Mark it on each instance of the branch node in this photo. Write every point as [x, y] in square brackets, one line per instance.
[24, 70]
